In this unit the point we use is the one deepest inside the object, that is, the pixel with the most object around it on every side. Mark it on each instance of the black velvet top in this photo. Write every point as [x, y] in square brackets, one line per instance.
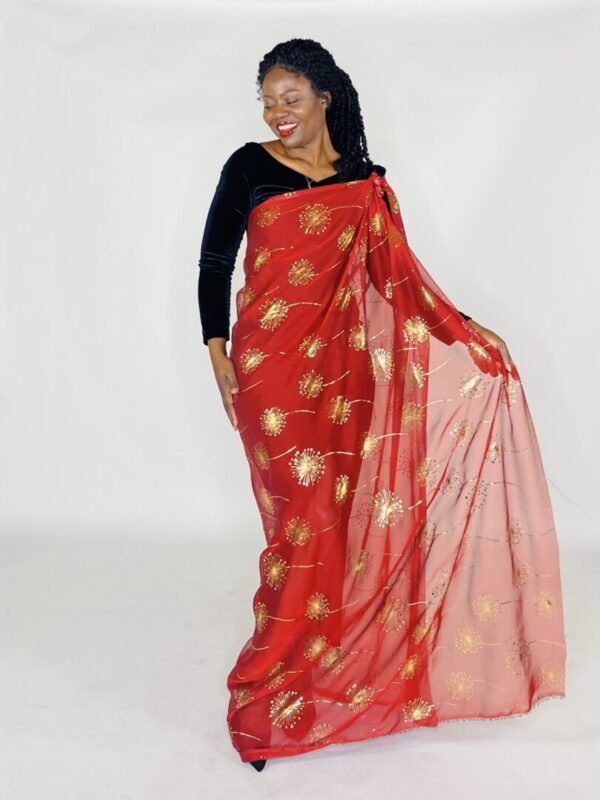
[249, 176]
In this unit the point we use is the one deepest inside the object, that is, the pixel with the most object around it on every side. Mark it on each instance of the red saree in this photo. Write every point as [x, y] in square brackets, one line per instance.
[411, 571]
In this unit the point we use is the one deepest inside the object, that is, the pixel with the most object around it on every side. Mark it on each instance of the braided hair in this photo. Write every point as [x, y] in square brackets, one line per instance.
[344, 118]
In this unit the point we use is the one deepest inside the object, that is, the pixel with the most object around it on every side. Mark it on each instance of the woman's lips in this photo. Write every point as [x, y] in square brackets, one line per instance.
[287, 129]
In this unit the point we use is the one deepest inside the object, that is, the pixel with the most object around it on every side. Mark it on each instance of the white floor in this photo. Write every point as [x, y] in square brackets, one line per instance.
[113, 659]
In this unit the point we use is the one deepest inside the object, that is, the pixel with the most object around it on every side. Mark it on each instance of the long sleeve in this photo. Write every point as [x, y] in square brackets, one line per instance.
[223, 232]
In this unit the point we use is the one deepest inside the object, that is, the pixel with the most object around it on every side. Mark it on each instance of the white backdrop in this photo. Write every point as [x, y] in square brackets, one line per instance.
[122, 484]
[117, 119]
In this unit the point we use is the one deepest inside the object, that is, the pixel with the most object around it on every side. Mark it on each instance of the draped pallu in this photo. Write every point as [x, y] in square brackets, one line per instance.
[411, 568]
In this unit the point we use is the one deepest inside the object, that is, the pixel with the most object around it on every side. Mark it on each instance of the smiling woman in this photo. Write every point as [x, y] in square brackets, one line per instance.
[411, 571]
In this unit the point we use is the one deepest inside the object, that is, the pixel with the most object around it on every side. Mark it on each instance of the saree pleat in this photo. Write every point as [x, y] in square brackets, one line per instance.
[411, 568]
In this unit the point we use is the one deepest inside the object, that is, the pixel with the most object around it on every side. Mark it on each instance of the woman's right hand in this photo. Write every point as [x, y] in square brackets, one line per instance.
[225, 375]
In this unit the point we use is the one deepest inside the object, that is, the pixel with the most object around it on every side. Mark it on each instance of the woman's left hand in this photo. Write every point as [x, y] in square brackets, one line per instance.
[496, 341]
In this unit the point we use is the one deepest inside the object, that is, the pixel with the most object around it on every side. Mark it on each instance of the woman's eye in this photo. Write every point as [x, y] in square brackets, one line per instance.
[291, 102]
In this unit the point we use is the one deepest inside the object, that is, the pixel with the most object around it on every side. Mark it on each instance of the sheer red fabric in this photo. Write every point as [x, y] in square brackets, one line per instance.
[411, 569]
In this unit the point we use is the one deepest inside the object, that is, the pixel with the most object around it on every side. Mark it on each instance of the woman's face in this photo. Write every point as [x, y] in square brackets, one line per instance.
[291, 107]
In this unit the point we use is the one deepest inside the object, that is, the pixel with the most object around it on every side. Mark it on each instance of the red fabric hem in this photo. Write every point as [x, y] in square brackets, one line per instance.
[280, 752]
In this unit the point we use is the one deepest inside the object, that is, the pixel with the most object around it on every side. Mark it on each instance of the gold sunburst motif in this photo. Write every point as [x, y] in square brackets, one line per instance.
[415, 330]
[417, 709]
[546, 604]
[298, 531]
[301, 272]
[343, 298]
[275, 676]
[409, 669]
[358, 564]
[266, 500]
[412, 413]
[339, 409]
[486, 607]
[261, 455]
[276, 569]
[462, 431]
[376, 224]
[245, 297]
[439, 584]
[307, 466]
[427, 469]
[241, 697]
[285, 709]
[426, 298]
[315, 218]
[321, 734]
[393, 614]
[452, 482]
[551, 675]
[310, 345]
[311, 384]
[460, 685]
[272, 313]
[388, 288]
[315, 646]
[341, 489]
[476, 494]
[346, 237]
[478, 351]
[359, 697]
[251, 359]
[261, 616]
[426, 535]
[387, 507]
[317, 606]
[415, 374]
[515, 531]
[518, 659]
[494, 450]
[421, 629]
[510, 385]
[360, 254]
[333, 660]
[266, 216]
[261, 256]
[272, 420]
[357, 337]
[521, 572]
[468, 639]
[471, 385]
[369, 446]
[381, 363]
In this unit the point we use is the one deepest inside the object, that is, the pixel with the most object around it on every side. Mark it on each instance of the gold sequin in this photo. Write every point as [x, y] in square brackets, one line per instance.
[315, 646]
[546, 604]
[393, 615]
[343, 298]
[412, 413]
[261, 256]
[426, 298]
[311, 345]
[241, 697]
[409, 669]
[320, 734]
[272, 421]
[478, 350]
[333, 660]
[376, 224]
[472, 385]
[369, 446]
[519, 657]
[339, 409]
[261, 616]
[357, 337]
[428, 468]
[261, 456]
[245, 297]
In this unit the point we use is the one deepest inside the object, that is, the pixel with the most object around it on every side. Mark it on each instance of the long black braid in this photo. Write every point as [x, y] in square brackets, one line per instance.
[344, 118]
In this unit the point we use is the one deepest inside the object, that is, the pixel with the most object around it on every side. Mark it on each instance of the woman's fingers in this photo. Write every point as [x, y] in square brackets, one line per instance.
[230, 389]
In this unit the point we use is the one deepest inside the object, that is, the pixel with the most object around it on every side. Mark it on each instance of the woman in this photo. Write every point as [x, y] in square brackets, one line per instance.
[411, 573]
